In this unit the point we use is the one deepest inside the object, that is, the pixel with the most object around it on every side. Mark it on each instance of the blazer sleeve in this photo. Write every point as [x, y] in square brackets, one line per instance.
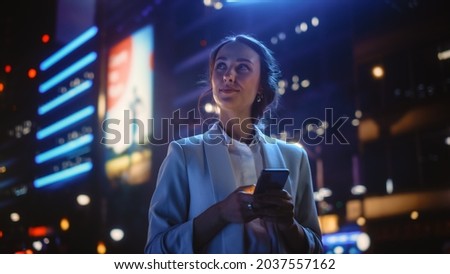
[305, 208]
[170, 230]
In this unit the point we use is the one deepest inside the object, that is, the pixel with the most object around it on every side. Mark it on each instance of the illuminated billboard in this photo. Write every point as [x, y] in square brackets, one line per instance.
[129, 107]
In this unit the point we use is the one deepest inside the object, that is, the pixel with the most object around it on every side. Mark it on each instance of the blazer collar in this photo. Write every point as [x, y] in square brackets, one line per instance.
[218, 161]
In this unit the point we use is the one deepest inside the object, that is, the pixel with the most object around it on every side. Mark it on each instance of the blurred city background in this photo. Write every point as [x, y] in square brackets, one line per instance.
[367, 84]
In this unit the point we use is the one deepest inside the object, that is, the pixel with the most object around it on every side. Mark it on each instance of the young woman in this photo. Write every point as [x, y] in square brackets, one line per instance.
[203, 201]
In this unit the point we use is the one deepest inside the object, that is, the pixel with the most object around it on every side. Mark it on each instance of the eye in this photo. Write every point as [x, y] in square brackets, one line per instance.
[221, 66]
[243, 68]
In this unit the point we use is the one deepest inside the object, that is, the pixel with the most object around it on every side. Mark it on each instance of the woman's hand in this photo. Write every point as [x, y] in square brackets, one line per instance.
[275, 206]
[235, 208]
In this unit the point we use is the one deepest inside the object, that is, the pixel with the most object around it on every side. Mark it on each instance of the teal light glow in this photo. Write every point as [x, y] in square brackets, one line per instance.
[65, 122]
[62, 175]
[67, 49]
[64, 149]
[65, 97]
[83, 62]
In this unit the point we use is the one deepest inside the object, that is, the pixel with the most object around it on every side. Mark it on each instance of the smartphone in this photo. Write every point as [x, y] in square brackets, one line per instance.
[271, 178]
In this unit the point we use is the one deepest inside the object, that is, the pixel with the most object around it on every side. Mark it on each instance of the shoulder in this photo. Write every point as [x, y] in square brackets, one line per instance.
[181, 150]
[194, 140]
[193, 145]
[184, 146]
[287, 147]
[293, 151]
[213, 136]
[293, 147]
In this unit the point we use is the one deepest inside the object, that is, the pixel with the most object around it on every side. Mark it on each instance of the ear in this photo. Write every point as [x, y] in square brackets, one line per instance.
[261, 90]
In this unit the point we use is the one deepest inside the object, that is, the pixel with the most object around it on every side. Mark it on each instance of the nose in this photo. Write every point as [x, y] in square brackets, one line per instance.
[228, 78]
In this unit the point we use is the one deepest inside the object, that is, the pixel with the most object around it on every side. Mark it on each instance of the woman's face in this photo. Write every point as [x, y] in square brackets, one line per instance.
[235, 78]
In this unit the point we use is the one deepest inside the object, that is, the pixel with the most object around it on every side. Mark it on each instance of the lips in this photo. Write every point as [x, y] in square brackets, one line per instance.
[228, 90]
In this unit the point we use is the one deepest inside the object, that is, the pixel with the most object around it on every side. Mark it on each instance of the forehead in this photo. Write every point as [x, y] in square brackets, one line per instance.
[237, 50]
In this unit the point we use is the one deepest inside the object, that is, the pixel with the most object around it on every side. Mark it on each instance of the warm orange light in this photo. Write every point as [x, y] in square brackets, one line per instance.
[38, 231]
[26, 251]
[378, 72]
[45, 38]
[414, 215]
[32, 73]
[101, 248]
[329, 223]
[361, 221]
[249, 189]
[2, 87]
[64, 224]
[8, 68]
[1, 234]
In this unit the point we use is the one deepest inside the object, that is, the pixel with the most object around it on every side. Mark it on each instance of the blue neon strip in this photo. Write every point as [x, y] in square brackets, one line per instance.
[65, 122]
[342, 238]
[63, 149]
[67, 49]
[64, 98]
[86, 60]
[62, 175]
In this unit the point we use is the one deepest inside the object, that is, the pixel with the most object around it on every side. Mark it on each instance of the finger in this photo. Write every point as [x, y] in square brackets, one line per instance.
[246, 189]
[244, 197]
[270, 209]
[275, 193]
[275, 213]
[248, 211]
[274, 210]
[271, 201]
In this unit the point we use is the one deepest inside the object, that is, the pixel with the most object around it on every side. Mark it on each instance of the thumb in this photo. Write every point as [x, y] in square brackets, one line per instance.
[246, 189]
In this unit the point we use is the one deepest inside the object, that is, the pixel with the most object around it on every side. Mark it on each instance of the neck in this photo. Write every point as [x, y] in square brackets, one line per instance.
[240, 128]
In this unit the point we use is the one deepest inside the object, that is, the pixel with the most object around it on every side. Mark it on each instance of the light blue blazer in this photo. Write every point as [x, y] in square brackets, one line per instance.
[196, 174]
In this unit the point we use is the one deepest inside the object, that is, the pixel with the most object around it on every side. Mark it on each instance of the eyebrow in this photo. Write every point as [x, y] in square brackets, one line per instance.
[238, 59]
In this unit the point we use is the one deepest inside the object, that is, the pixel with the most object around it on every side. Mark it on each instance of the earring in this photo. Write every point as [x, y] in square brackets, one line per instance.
[259, 98]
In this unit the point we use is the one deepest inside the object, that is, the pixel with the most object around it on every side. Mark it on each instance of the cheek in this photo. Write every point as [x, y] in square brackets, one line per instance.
[216, 79]
[251, 83]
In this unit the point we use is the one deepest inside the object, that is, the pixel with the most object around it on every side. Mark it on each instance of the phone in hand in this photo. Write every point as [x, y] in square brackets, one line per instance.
[271, 178]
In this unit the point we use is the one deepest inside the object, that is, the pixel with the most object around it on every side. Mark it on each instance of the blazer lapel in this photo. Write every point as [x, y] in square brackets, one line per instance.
[219, 164]
[222, 178]
[272, 153]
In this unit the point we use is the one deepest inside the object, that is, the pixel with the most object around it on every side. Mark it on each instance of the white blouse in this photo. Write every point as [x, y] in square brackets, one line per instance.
[247, 163]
